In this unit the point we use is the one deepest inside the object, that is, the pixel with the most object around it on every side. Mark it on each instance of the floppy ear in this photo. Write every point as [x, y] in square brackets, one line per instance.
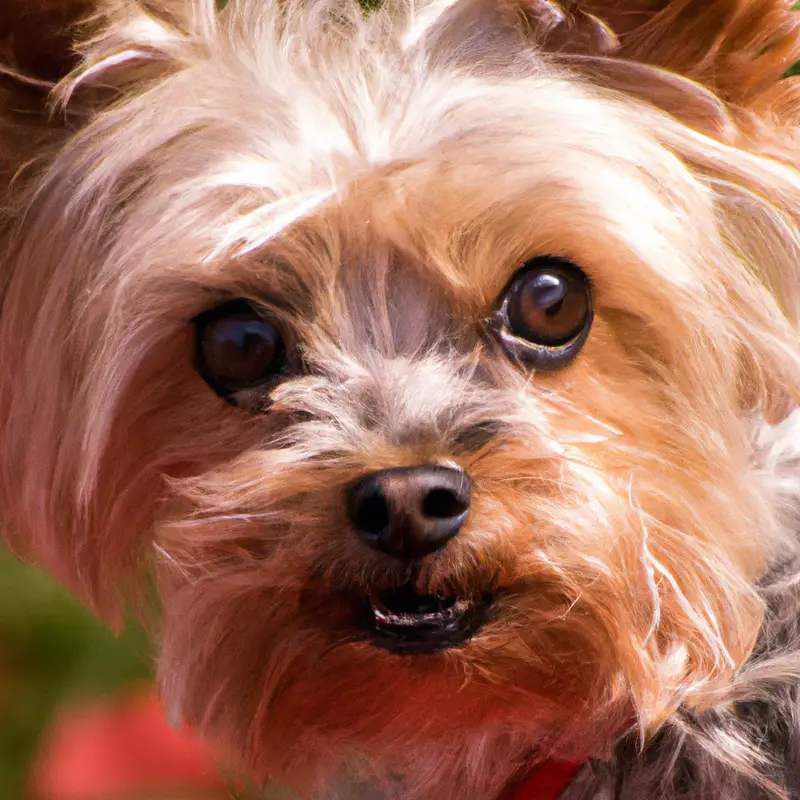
[702, 60]
[736, 48]
[60, 60]
[44, 41]
[36, 38]
[732, 53]
[135, 41]
[35, 53]
[86, 52]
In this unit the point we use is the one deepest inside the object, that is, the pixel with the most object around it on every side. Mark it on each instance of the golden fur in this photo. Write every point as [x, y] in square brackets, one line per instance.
[380, 178]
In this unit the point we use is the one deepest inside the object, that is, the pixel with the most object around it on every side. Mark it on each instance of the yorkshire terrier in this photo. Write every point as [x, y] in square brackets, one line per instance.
[435, 366]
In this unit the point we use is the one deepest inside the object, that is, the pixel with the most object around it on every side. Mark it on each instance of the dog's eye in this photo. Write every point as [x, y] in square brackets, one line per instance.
[238, 348]
[546, 312]
[548, 305]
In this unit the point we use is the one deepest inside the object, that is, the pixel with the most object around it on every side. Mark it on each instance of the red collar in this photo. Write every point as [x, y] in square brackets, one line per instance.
[547, 782]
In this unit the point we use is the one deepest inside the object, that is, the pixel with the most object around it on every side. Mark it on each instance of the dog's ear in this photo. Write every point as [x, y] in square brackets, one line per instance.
[36, 39]
[60, 60]
[89, 53]
[96, 43]
[703, 61]
[36, 51]
[736, 48]
[707, 62]
[129, 42]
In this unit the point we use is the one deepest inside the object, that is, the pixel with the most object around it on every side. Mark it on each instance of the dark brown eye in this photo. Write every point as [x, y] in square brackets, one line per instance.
[238, 348]
[546, 312]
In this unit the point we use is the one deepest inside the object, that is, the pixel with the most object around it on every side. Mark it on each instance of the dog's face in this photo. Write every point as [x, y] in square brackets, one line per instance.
[424, 375]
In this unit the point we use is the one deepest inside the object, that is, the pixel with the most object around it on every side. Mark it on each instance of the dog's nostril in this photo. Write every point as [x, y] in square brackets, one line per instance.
[442, 504]
[372, 514]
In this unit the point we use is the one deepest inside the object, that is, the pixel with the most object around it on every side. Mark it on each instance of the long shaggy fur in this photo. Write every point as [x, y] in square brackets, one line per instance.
[377, 179]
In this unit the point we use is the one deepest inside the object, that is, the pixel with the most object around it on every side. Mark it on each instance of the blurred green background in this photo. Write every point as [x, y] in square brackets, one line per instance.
[61, 671]
[52, 653]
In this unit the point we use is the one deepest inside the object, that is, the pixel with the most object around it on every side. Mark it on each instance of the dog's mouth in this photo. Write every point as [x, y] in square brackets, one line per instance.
[405, 621]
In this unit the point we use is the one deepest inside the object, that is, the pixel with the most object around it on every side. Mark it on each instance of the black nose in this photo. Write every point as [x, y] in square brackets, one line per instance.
[410, 512]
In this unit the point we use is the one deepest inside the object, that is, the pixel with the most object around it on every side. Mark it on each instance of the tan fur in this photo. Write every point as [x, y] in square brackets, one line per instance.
[382, 178]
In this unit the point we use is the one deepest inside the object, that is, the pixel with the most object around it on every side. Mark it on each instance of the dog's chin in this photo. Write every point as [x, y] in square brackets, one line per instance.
[404, 621]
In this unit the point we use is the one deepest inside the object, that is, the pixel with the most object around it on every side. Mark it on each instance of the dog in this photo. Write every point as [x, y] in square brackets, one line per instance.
[425, 377]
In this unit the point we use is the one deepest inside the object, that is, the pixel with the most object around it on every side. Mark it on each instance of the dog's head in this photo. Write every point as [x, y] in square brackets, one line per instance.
[419, 356]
